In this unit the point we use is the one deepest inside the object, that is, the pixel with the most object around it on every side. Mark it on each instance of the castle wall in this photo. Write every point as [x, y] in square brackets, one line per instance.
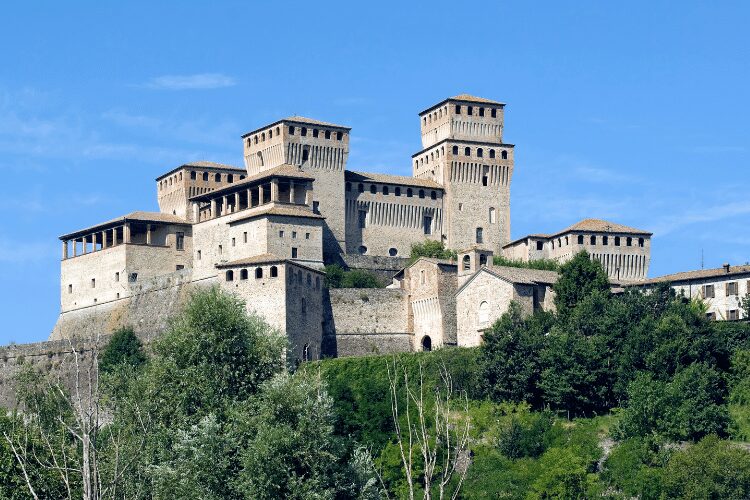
[383, 267]
[462, 120]
[357, 321]
[286, 233]
[392, 224]
[431, 287]
[490, 294]
[174, 190]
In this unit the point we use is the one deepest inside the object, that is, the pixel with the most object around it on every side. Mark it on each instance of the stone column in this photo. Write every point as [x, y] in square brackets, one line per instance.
[260, 194]
[75, 248]
[308, 194]
[126, 233]
[249, 198]
[196, 212]
[225, 205]
[148, 234]
[65, 249]
[291, 192]
[237, 201]
[104, 239]
[274, 190]
[213, 208]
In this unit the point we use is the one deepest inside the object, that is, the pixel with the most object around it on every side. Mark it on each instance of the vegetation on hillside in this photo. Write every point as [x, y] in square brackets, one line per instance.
[627, 395]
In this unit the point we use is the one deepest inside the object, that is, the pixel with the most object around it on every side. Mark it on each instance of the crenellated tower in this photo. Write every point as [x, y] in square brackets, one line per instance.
[463, 149]
[317, 147]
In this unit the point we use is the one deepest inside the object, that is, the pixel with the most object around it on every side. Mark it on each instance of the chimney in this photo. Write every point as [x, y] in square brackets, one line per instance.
[726, 267]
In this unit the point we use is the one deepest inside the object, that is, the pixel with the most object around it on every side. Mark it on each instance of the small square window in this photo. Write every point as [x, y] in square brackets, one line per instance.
[307, 236]
[281, 233]
[179, 267]
[294, 235]
[233, 242]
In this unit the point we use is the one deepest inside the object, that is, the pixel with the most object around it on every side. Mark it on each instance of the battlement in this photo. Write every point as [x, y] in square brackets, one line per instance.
[463, 117]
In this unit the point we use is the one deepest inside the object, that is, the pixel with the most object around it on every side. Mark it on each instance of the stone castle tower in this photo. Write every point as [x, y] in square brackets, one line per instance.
[463, 150]
[320, 149]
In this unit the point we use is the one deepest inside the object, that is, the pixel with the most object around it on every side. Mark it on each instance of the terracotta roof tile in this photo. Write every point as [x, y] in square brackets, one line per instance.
[601, 226]
[734, 271]
[471, 98]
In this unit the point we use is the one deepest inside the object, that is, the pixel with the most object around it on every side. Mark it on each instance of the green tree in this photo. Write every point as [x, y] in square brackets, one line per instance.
[578, 278]
[123, 348]
[563, 476]
[711, 469]
[337, 277]
[739, 395]
[509, 355]
[290, 449]
[635, 468]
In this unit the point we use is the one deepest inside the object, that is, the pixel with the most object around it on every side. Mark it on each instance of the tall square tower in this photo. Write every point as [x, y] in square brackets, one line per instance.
[463, 149]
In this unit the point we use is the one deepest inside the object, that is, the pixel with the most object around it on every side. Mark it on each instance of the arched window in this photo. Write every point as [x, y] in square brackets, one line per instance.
[617, 241]
[426, 343]
[192, 175]
[397, 191]
[305, 153]
[484, 313]
[274, 272]
[467, 151]
[455, 150]
[315, 132]
[258, 273]
[309, 280]
[492, 215]
[278, 130]
[243, 274]
[270, 133]
[230, 178]
[373, 188]
[580, 239]
[263, 136]
[170, 181]
[255, 139]
[458, 109]
[467, 262]
[230, 275]
[482, 259]
[409, 193]
[392, 252]
[605, 240]
[480, 152]
[180, 175]
[504, 155]
[317, 282]
[469, 110]
[593, 239]
[303, 131]
[385, 190]
[361, 188]
[217, 177]
[339, 136]
[421, 193]
[328, 134]
[433, 195]
[291, 130]
[205, 176]
[629, 241]
[480, 235]
[492, 153]
[640, 242]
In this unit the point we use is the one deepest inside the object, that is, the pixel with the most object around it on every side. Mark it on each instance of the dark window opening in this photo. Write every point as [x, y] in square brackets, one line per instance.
[258, 273]
[305, 154]
[421, 193]
[455, 150]
[294, 252]
[504, 155]
[303, 131]
[243, 274]
[274, 272]
[458, 109]
[580, 239]
[392, 252]
[433, 195]
[361, 188]
[192, 175]
[291, 130]
[339, 136]
[362, 219]
[480, 235]
[493, 113]
[230, 275]
[540, 245]
[467, 151]
[427, 224]
[397, 191]
[180, 241]
[427, 344]
[373, 188]
[409, 193]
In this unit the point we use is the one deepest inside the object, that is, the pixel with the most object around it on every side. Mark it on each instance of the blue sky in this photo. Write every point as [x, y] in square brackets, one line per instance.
[631, 111]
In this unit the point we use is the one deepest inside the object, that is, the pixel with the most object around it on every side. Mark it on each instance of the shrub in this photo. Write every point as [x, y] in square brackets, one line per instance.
[338, 277]
[123, 348]
[542, 264]
[431, 248]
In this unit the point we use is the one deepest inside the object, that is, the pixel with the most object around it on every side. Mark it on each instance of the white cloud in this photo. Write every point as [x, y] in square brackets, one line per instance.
[199, 81]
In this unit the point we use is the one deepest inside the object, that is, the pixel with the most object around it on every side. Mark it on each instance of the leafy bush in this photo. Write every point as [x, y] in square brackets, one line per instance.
[123, 348]
[739, 395]
[431, 248]
[526, 437]
[542, 264]
[635, 468]
[338, 277]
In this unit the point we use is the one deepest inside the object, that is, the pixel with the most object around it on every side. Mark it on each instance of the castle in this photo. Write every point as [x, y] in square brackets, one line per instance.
[265, 231]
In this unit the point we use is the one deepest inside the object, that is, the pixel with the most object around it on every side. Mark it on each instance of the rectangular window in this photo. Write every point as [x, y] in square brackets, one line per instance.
[294, 235]
[281, 233]
[117, 277]
[221, 249]
[93, 282]
[179, 267]
[427, 224]
[733, 314]
[70, 288]
[244, 237]
[708, 292]
[233, 242]
[540, 245]
[580, 239]
[307, 236]
[199, 255]
[294, 252]
[732, 288]
[711, 316]
[362, 219]
[180, 241]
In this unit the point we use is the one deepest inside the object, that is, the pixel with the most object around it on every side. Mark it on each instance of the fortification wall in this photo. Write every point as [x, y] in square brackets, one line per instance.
[383, 267]
[362, 321]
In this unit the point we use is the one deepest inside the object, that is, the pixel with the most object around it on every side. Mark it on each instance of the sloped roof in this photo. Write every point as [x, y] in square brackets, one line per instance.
[472, 98]
[515, 275]
[289, 211]
[297, 119]
[202, 164]
[138, 216]
[284, 170]
[266, 258]
[601, 226]
[402, 180]
[716, 273]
